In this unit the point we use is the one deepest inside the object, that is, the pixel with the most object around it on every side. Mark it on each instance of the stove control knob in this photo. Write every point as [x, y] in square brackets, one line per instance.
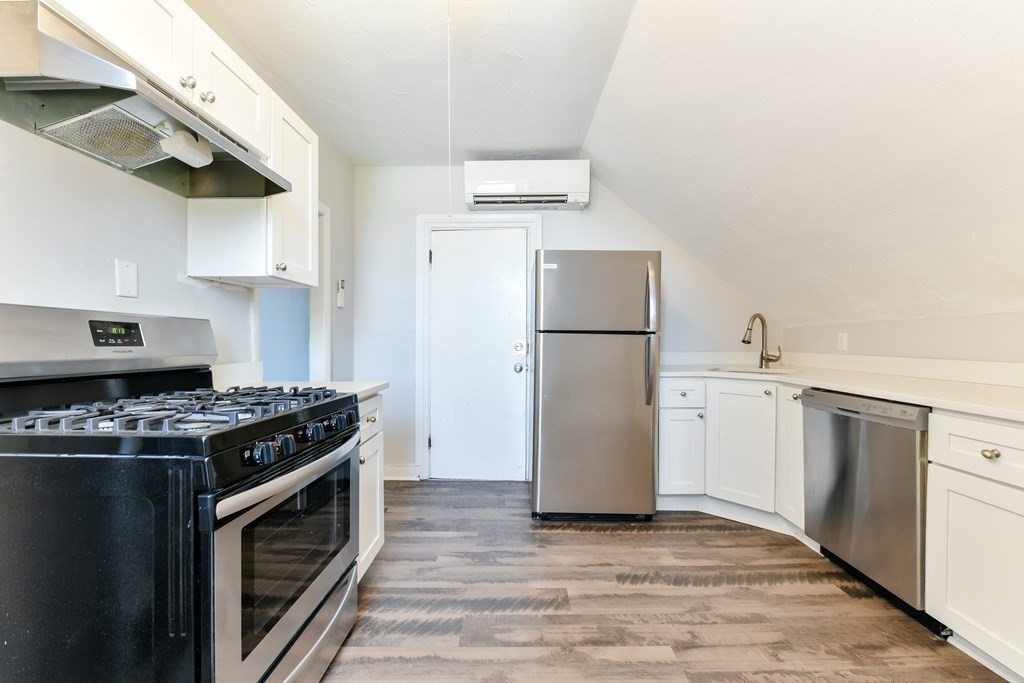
[338, 422]
[286, 445]
[264, 453]
[315, 432]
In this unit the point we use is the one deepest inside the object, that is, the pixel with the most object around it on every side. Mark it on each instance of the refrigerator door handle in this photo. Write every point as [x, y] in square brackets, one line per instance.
[651, 299]
[648, 371]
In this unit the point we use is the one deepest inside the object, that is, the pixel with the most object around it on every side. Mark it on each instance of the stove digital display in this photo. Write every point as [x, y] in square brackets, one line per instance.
[107, 333]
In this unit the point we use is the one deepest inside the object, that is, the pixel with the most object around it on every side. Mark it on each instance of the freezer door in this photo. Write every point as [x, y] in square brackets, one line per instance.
[598, 291]
[594, 424]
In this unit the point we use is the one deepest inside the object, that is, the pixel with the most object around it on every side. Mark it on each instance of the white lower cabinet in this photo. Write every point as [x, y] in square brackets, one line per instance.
[789, 455]
[680, 451]
[974, 537]
[371, 500]
[974, 561]
[741, 442]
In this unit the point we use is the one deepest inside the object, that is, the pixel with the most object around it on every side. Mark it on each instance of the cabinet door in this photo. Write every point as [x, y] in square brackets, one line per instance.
[371, 501]
[975, 552]
[230, 91]
[294, 229]
[156, 35]
[789, 455]
[741, 442]
[680, 451]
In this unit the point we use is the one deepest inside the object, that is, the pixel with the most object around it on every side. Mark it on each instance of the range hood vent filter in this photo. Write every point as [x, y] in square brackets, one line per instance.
[110, 134]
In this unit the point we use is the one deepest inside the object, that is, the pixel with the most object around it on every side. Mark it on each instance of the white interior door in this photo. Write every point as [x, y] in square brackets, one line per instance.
[478, 310]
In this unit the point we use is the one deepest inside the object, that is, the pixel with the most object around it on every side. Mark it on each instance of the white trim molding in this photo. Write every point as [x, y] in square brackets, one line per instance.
[320, 300]
[532, 222]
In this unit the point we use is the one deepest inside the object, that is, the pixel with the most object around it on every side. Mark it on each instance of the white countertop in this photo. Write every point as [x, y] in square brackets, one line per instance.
[362, 389]
[986, 400]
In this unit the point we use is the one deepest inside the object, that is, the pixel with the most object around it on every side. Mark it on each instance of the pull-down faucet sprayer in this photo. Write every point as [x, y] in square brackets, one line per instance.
[765, 358]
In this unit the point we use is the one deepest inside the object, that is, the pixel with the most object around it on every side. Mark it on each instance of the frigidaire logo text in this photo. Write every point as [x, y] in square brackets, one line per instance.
[123, 351]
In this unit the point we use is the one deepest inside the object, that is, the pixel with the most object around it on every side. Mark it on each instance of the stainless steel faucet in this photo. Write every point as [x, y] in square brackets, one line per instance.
[765, 358]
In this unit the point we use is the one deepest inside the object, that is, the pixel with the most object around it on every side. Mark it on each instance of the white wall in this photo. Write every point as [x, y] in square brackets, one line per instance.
[336, 191]
[64, 220]
[703, 313]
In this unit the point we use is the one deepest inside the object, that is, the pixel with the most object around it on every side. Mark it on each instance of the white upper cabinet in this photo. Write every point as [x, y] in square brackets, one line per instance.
[293, 215]
[272, 242]
[155, 35]
[166, 39]
[229, 91]
[741, 442]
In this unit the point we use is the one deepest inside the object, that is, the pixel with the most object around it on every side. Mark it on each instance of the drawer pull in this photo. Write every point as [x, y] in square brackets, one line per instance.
[371, 419]
[990, 453]
[796, 397]
[682, 393]
[362, 459]
[700, 415]
[767, 392]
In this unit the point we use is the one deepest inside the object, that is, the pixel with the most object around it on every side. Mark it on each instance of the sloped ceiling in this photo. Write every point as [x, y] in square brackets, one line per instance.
[836, 160]
[526, 75]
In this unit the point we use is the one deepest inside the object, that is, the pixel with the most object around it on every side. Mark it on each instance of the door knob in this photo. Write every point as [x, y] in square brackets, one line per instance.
[518, 367]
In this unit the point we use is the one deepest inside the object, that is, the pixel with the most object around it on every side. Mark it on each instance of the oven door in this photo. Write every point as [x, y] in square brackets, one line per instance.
[278, 550]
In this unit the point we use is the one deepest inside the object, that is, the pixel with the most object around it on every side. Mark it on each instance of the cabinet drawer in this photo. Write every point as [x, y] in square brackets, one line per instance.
[987, 449]
[370, 421]
[681, 392]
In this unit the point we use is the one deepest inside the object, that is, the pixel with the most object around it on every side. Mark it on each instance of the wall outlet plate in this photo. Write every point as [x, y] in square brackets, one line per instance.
[126, 278]
[842, 341]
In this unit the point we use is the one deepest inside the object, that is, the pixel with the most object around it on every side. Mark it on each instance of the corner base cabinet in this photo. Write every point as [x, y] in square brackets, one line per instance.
[789, 455]
[741, 442]
[371, 482]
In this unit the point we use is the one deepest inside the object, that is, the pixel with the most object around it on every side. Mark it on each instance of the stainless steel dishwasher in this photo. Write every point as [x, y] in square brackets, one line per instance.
[865, 463]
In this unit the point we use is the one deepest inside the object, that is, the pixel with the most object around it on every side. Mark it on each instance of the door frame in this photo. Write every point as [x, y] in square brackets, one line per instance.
[425, 224]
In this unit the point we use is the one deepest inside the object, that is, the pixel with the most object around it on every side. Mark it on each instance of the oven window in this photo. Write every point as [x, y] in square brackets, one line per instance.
[286, 549]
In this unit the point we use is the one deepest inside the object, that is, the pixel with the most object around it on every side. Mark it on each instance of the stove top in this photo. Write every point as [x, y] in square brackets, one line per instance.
[201, 411]
[198, 422]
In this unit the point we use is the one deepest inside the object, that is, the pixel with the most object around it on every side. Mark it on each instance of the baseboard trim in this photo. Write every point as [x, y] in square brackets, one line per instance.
[402, 473]
[769, 521]
[981, 657]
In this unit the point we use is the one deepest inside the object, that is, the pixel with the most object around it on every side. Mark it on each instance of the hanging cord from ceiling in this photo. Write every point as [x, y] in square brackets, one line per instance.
[448, 63]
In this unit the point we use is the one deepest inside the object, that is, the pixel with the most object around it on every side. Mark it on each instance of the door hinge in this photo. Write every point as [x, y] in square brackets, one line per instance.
[430, 256]
[428, 443]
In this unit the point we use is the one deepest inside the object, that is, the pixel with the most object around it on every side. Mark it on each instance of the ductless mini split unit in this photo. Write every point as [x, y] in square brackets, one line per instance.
[530, 184]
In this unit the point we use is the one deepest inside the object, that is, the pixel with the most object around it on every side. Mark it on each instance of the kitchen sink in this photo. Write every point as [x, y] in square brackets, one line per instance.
[752, 370]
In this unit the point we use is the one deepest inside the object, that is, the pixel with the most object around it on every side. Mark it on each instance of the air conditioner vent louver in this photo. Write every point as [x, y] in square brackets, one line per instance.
[528, 184]
[499, 199]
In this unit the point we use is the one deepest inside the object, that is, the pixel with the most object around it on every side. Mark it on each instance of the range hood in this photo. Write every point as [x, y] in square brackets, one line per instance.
[61, 84]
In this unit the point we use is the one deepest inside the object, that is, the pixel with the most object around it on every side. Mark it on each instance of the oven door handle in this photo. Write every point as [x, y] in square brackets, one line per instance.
[295, 479]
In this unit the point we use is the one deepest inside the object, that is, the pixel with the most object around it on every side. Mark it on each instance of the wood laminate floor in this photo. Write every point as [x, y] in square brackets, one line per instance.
[469, 588]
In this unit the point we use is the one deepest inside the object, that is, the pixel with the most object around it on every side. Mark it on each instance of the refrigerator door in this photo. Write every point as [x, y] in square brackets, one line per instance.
[598, 291]
[594, 424]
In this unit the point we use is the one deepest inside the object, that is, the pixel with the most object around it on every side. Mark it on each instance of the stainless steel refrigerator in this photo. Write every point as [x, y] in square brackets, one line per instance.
[596, 373]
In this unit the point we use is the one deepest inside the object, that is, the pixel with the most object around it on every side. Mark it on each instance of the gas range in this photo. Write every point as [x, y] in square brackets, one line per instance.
[264, 425]
[213, 534]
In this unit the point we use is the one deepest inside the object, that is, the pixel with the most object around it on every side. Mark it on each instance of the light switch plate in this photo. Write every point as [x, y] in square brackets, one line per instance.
[126, 278]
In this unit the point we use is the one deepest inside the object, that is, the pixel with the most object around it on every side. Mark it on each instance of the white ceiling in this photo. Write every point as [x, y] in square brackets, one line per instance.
[525, 74]
[835, 160]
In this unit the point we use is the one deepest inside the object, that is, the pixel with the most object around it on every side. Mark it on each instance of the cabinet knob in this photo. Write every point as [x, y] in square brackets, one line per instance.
[209, 97]
[371, 419]
[362, 459]
[796, 397]
[187, 82]
[682, 393]
[990, 453]
[700, 415]
[767, 392]
[281, 266]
